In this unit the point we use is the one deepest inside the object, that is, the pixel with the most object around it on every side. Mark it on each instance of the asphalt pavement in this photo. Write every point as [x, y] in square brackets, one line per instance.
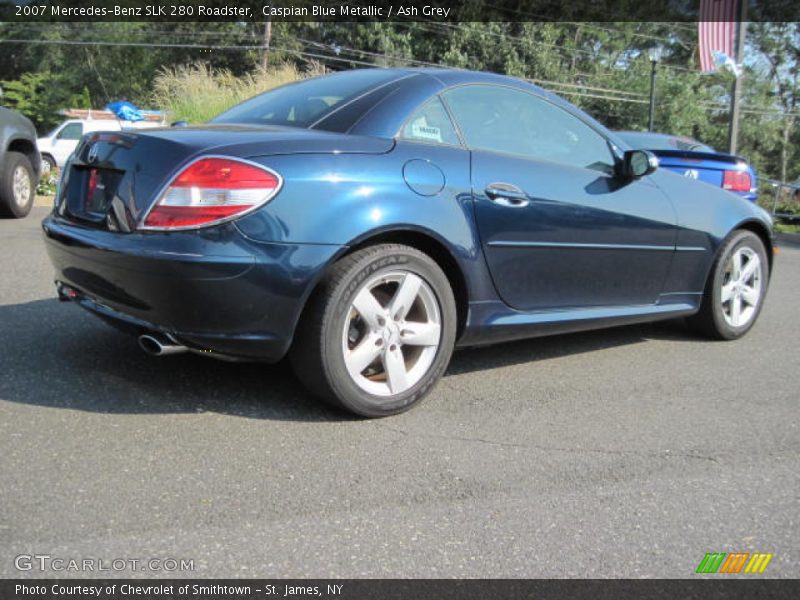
[628, 452]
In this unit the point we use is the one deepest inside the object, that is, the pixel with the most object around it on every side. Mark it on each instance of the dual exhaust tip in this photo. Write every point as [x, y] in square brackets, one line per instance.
[157, 345]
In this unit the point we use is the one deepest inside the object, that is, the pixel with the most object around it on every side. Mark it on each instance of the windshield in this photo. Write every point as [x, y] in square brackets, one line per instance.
[657, 141]
[304, 103]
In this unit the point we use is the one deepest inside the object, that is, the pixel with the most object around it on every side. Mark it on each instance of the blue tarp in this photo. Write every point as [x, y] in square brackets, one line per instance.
[125, 111]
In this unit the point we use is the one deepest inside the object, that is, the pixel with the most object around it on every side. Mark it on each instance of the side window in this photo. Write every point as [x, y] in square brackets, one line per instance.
[431, 123]
[512, 121]
[73, 131]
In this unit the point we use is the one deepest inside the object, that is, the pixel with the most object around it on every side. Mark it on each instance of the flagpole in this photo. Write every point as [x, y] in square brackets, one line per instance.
[736, 94]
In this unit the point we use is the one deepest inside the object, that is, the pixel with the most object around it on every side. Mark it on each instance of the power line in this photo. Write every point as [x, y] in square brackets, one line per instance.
[317, 56]
[131, 44]
[532, 80]
[570, 52]
[545, 18]
[326, 57]
[587, 87]
[612, 94]
[402, 59]
[601, 97]
[334, 47]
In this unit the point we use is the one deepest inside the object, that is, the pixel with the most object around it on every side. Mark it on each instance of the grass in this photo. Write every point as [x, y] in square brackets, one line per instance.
[784, 227]
[196, 93]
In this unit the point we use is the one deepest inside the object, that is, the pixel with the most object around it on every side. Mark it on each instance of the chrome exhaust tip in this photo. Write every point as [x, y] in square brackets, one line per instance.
[155, 345]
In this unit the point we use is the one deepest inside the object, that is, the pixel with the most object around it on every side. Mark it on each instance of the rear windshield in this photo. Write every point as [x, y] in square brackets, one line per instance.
[306, 102]
[651, 141]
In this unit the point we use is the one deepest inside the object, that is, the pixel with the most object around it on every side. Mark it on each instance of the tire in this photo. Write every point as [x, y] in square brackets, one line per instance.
[718, 317]
[17, 186]
[49, 165]
[364, 359]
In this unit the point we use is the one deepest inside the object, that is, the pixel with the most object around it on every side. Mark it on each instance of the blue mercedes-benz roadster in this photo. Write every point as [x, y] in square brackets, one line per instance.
[366, 222]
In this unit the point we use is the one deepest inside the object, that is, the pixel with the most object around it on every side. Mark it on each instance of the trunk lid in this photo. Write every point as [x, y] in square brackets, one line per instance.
[113, 178]
[703, 166]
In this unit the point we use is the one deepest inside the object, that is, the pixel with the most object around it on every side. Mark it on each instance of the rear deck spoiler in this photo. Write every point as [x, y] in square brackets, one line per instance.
[690, 154]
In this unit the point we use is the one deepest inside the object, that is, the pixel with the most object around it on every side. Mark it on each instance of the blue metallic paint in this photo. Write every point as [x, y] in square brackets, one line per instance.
[423, 177]
[240, 288]
[214, 289]
[537, 254]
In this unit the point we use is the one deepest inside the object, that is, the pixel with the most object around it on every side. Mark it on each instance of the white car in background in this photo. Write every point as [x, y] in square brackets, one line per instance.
[57, 146]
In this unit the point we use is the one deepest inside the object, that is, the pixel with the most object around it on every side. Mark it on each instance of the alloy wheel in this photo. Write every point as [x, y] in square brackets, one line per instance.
[392, 333]
[741, 287]
[21, 186]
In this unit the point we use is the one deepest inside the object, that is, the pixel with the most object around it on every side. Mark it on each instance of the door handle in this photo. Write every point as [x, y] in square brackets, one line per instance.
[507, 194]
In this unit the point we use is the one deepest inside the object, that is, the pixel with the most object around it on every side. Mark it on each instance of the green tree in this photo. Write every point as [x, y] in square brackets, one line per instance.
[778, 48]
[40, 96]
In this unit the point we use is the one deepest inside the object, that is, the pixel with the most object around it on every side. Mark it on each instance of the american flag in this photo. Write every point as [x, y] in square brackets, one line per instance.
[716, 30]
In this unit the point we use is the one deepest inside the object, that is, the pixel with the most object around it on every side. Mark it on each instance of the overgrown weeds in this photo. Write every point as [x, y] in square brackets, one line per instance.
[196, 93]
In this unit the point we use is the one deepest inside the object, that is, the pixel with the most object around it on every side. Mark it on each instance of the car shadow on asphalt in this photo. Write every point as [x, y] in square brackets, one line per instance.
[532, 350]
[56, 355]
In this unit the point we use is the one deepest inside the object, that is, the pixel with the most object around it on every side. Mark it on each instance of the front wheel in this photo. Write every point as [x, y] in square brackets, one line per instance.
[17, 186]
[49, 165]
[736, 288]
[378, 332]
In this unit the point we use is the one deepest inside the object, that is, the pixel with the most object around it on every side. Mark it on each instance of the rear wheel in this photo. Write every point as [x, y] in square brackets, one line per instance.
[17, 186]
[379, 331]
[736, 288]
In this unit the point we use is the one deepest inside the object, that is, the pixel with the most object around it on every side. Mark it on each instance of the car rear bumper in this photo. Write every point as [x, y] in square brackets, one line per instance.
[751, 196]
[213, 290]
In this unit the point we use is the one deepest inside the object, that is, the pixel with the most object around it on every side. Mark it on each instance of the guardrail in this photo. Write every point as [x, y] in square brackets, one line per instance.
[782, 200]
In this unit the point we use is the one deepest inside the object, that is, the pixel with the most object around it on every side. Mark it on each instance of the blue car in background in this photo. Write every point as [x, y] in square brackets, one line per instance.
[695, 160]
[366, 223]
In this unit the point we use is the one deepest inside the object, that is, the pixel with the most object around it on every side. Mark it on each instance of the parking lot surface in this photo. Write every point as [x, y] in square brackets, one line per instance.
[627, 452]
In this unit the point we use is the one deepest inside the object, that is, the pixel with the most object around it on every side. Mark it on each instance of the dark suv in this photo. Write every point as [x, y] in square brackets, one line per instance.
[20, 164]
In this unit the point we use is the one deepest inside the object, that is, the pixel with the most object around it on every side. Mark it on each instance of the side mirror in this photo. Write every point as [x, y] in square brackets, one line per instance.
[180, 124]
[638, 163]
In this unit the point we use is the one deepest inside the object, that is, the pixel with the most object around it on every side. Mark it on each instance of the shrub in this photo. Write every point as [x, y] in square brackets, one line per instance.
[196, 93]
[47, 184]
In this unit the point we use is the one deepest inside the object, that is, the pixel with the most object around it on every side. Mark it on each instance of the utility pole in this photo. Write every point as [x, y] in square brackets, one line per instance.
[653, 64]
[736, 93]
[265, 45]
[655, 55]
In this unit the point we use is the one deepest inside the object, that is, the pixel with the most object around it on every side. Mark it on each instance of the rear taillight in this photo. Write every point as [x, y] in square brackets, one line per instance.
[91, 187]
[736, 181]
[211, 190]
